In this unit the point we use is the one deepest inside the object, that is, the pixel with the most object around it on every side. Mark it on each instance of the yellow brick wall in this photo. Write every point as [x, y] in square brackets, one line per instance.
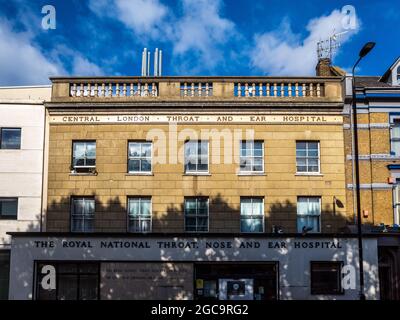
[378, 202]
[168, 185]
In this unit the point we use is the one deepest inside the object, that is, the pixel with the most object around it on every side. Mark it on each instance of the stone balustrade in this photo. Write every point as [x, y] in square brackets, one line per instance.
[279, 89]
[109, 89]
[196, 89]
[211, 88]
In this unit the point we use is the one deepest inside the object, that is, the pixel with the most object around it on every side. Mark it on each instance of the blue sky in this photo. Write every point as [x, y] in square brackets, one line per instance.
[198, 37]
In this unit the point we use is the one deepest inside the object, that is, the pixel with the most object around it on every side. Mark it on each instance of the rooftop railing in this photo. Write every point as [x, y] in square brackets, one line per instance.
[131, 88]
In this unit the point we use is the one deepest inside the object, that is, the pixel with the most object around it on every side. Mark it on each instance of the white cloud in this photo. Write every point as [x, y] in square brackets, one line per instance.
[144, 17]
[202, 29]
[281, 52]
[196, 34]
[21, 62]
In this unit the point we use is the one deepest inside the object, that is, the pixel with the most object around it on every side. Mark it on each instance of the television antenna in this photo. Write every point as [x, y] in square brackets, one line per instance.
[326, 48]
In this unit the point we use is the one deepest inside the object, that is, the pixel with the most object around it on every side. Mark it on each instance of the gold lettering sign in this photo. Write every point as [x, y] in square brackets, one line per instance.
[145, 118]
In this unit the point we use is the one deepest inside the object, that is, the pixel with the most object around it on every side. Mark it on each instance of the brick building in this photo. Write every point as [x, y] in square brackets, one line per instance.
[378, 109]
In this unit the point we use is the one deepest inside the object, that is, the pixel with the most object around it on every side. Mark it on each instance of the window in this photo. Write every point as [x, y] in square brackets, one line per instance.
[307, 156]
[196, 214]
[398, 75]
[10, 138]
[82, 214]
[4, 273]
[326, 277]
[395, 137]
[251, 156]
[74, 281]
[139, 214]
[396, 202]
[139, 157]
[252, 214]
[196, 156]
[308, 214]
[84, 156]
[8, 208]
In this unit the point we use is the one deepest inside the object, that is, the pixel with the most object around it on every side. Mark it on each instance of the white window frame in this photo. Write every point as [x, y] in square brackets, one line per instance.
[84, 216]
[396, 202]
[251, 216]
[197, 172]
[141, 217]
[398, 75]
[252, 157]
[392, 140]
[196, 215]
[74, 167]
[307, 157]
[310, 215]
[140, 158]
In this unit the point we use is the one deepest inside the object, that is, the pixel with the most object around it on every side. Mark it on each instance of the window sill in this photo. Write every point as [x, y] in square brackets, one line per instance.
[9, 218]
[197, 174]
[251, 174]
[139, 174]
[82, 174]
[308, 174]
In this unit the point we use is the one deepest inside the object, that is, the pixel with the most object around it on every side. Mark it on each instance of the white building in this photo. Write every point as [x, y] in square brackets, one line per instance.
[22, 124]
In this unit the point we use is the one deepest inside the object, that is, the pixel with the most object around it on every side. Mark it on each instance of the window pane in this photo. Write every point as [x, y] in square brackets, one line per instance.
[245, 206]
[89, 206]
[258, 145]
[79, 150]
[191, 148]
[301, 145]
[10, 138]
[134, 149]
[134, 207]
[245, 164]
[79, 206]
[145, 205]
[202, 167]
[396, 147]
[190, 165]
[89, 225]
[134, 165]
[91, 149]
[258, 207]
[9, 207]
[301, 153]
[251, 225]
[203, 148]
[312, 146]
[202, 223]
[258, 164]
[146, 150]
[145, 166]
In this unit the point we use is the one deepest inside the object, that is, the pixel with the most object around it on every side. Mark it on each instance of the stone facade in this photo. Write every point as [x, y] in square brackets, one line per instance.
[168, 185]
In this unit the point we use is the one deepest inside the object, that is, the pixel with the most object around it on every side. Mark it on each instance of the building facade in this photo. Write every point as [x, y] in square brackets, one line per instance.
[378, 110]
[195, 188]
[22, 119]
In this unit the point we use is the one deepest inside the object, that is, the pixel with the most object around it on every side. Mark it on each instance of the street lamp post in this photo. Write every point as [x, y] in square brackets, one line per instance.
[363, 52]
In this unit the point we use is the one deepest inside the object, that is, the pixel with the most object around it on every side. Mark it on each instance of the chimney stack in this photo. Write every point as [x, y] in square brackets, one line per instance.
[323, 68]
